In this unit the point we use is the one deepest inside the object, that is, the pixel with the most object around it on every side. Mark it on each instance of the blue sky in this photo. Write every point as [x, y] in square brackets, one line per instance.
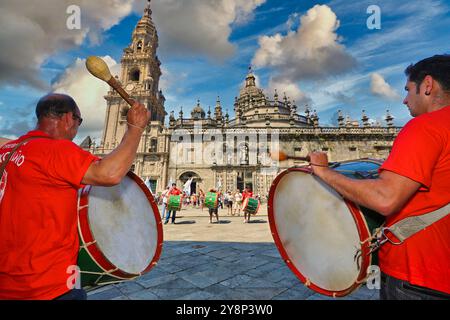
[323, 51]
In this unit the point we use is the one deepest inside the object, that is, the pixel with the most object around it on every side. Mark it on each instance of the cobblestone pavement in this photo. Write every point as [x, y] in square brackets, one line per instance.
[230, 260]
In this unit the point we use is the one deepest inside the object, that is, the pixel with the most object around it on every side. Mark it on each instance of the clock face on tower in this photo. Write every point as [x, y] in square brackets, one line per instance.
[129, 87]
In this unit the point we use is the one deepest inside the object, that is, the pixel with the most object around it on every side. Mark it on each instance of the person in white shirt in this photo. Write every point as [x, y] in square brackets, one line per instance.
[238, 202]
[229, 200]
[164, 199]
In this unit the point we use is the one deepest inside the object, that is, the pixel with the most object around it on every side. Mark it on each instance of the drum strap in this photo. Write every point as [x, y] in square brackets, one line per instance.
[407, 227]
[11, 153]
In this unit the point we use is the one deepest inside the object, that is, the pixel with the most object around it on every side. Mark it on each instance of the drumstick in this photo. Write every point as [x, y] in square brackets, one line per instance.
[99, 69]
[281, 156]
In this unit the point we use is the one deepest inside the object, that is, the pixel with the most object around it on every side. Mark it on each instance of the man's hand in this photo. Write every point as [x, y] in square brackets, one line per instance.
[111, 169]
[319, 162]
[386, 195]
[138, 116]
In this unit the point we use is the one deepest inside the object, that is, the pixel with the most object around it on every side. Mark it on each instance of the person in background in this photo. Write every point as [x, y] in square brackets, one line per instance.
[214, 211]
[230, 203]
[201, 198]
[173, 191]
[238, 202]
[247, 194]
[163, 200]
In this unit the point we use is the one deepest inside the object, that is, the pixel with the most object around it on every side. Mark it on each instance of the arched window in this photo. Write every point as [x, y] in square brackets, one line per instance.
[124, 112]
[154, 145]
[135, 75]
[139, 45]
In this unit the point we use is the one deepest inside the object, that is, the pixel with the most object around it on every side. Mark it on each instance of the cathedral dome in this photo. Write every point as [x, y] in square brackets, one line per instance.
[250, 88]
[198, 112]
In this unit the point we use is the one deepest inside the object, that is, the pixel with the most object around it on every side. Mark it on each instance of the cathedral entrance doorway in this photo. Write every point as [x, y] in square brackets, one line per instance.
[188, 175]
[244, 178]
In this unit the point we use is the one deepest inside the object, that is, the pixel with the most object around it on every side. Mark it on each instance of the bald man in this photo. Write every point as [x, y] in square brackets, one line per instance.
[38, 197]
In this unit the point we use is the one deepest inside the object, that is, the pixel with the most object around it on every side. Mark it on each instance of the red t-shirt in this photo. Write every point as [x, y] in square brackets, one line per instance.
[421, 152]
[246, 194]
[38, 217]
[174, 192]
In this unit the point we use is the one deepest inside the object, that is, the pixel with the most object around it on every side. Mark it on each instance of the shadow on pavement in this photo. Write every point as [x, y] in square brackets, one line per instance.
[257, 221]
[223, 222]
[186, 222]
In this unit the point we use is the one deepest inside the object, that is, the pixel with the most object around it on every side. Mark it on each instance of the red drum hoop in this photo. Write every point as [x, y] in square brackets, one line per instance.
[361, 225]
[90, 244]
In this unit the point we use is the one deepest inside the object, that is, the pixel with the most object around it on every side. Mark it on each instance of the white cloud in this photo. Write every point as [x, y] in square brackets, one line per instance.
[31, 33]
[311, 52]
[199, 27]
[293, 92]
[88, 92]
[171, 81]
[381, 88]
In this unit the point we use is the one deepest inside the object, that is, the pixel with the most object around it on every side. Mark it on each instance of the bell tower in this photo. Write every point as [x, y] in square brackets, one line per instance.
[140, 74]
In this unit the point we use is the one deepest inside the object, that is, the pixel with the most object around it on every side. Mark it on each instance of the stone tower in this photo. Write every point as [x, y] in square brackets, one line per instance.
[139, 76]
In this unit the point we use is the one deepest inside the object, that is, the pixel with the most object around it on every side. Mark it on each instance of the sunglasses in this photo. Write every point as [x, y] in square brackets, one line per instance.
[77, 117]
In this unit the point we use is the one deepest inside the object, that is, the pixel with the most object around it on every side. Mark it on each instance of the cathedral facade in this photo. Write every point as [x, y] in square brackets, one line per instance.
[215, 150]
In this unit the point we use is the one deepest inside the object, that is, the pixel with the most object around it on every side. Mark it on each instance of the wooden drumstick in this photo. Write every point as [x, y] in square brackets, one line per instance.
[99, 69]
[281, 156]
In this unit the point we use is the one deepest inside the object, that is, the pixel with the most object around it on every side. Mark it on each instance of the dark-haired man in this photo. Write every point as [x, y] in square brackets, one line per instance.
[413, 181]
[38, 202]
[247, 194]
[174, 191]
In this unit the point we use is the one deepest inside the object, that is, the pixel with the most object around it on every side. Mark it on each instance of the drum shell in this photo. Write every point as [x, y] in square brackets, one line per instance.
[366, 220]
[251, 205]
[174, 203]
[212, 200]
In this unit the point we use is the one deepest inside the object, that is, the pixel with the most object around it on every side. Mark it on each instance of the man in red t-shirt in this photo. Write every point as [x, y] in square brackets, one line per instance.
[174, 191]
[38, 198]
[246, 194]
[414, 180]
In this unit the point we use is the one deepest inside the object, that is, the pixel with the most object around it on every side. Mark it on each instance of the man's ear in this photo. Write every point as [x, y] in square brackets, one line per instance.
[428, 83]
[67, 120]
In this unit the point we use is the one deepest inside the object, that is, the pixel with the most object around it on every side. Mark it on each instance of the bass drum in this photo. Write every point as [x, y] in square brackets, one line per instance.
[320, 235]
[251, 205]
[212, 200]
[120, 231]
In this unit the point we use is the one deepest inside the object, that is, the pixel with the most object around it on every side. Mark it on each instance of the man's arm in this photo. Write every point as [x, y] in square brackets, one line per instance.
[111, 169]
[3, 141]
[386, 194]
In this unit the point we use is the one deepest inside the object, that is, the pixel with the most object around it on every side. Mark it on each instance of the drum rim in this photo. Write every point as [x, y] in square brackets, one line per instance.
[363, 232]
[94, 251]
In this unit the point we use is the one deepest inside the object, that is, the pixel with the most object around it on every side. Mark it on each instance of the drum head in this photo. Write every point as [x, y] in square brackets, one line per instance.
[124, 224]
[315, 232]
